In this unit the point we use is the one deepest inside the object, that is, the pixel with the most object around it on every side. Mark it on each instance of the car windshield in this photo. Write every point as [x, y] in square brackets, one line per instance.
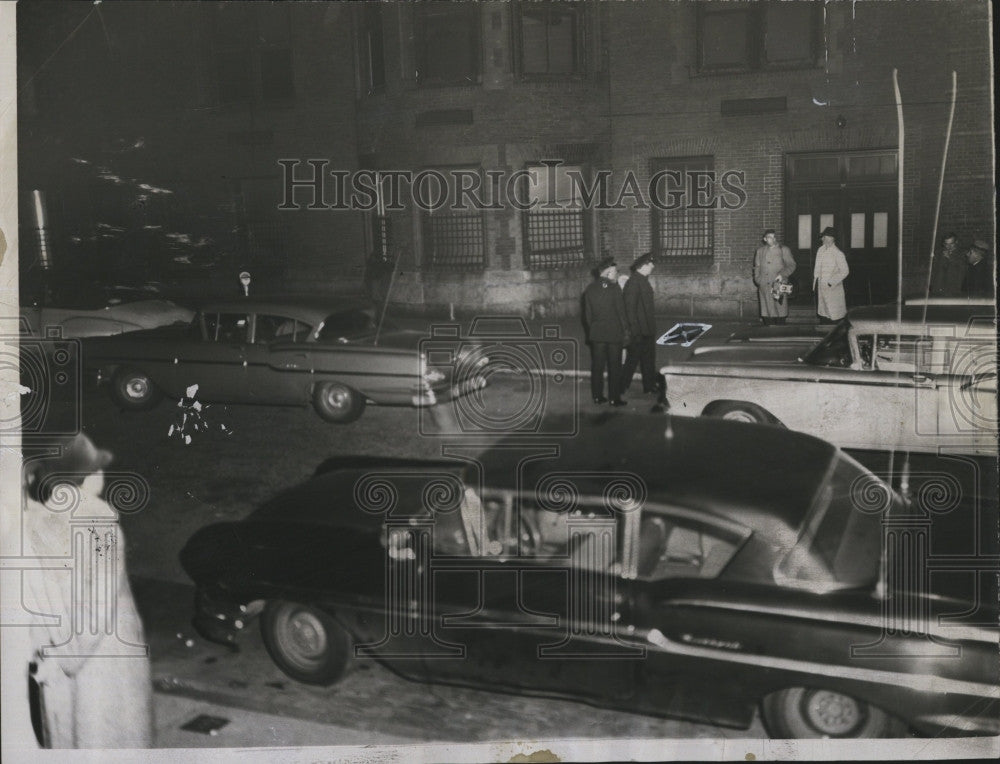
[842, 542]
[833, 350]
[346, 324]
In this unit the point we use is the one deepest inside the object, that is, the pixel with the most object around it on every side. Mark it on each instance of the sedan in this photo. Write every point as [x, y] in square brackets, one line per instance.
[332, 353]
[690, 568]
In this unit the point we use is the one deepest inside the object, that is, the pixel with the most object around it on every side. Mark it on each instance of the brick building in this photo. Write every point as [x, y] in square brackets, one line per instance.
[788, 106]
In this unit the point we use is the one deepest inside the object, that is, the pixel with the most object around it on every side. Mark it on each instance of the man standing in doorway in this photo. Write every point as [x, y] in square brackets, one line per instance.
[948, 270]
[772, 262]
[641, 351]
[604, 316]
[829, 273]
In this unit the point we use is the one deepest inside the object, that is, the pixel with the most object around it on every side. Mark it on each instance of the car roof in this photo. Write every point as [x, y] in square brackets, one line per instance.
[762, 477]
[752, 474]
[882, 318]
[309, 308]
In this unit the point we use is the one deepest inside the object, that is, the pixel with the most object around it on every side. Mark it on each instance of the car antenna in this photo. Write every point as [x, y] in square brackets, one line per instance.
[388, 292]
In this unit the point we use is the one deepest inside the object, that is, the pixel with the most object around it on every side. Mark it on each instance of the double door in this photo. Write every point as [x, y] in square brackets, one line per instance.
[862, 210]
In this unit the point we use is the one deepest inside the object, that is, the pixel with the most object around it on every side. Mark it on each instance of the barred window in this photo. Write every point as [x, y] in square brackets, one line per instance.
[555, 229]
[685, 234]
[453, 239]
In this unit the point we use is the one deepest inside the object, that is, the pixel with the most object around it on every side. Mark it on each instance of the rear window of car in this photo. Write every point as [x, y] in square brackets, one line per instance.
[841, 545]
[346, 324]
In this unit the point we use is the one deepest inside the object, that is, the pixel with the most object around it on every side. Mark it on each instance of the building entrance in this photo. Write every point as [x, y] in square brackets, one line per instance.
[855, 194]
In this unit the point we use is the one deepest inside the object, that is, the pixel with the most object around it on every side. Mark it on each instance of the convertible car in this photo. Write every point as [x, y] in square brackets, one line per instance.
[923, 382]
[280, 350]
[692, 568]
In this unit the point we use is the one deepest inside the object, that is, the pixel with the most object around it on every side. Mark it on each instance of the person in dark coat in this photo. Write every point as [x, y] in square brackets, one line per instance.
[641, 351]
[948, 270]
[978, 281]
[604, 317]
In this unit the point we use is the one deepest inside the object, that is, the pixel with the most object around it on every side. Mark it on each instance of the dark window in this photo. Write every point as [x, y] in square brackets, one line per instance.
[346, 325]
[372, 62]
[550, 37]
[749, 36]
[447, 43]
[227, 327]
[270, 328]
[685, 234]
[555, 230]
[252, 53]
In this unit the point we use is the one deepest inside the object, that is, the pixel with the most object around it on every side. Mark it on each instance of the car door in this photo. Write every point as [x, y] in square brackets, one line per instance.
[539, 608]
[267, 382]
[218, 364]
[672, 614]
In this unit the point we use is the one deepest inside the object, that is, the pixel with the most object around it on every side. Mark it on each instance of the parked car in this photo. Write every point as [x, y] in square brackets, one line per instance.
[280, 350]
[693, 568]
[85, 309]
[920, 383]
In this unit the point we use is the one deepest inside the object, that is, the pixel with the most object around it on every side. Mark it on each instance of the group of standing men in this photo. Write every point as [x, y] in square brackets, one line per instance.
[773, 266]
[954, 274]
[618, 318]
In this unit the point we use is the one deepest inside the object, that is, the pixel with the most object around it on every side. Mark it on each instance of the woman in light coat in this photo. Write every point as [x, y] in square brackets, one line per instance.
[829, 273]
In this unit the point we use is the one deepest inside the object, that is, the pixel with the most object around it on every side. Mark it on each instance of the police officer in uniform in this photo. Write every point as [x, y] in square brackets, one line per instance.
[604, 318]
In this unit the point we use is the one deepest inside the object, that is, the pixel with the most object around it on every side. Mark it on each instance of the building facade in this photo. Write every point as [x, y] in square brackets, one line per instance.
[586, 128]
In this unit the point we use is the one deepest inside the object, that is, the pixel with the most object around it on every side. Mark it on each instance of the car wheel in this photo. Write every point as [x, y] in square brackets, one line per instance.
[802, 712]
[740, 412]
[134, 390]
[336, 402]
[305, 643]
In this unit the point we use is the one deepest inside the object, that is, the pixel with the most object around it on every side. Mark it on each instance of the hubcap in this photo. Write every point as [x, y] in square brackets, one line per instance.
[831, 713]
[136, 387]
[304, 638]
[740, 416]
[337, 397]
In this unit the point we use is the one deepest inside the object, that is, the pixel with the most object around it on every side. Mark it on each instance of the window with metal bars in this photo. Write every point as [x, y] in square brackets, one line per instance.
[685, 235]
[555, 229]
[453, 240]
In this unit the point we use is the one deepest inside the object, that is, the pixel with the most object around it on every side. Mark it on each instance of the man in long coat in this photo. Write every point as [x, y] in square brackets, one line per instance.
[772, 261]
[641, 351]
[91, 661]
[604, 317]
[829, 273]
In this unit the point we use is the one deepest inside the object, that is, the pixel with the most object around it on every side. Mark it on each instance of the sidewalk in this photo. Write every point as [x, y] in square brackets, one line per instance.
[186, 722]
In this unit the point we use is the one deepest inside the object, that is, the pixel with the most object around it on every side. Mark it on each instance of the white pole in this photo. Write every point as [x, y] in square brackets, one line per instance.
[937, 209]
